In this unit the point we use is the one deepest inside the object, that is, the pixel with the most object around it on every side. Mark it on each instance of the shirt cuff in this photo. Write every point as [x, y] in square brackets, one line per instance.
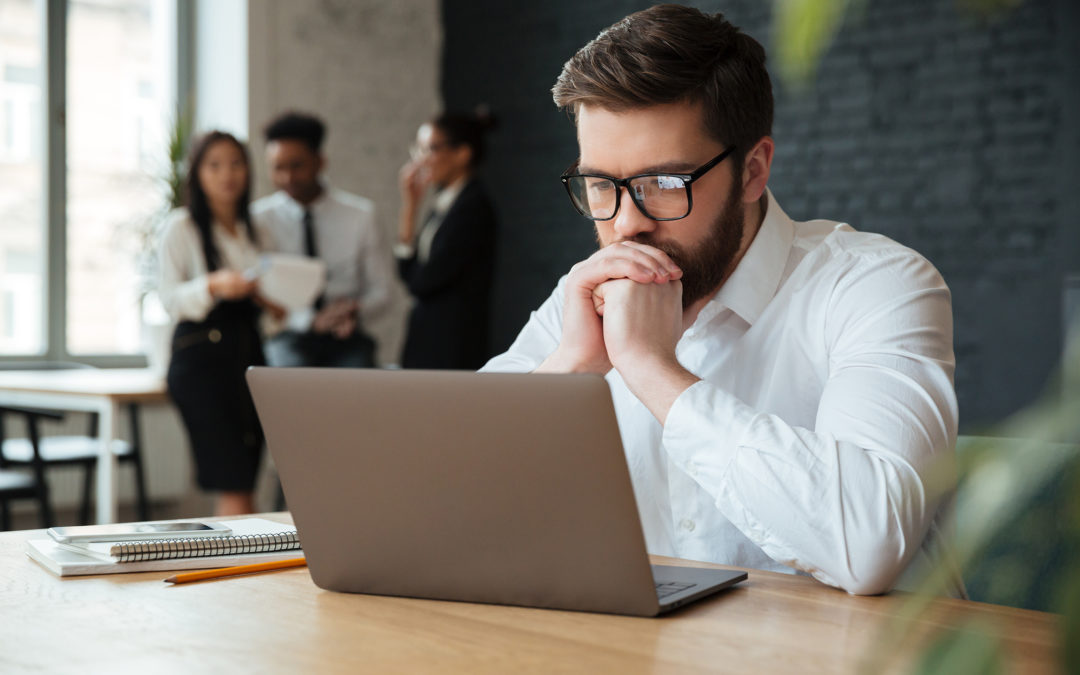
[703, 431]
[194, 299]
[404, 251]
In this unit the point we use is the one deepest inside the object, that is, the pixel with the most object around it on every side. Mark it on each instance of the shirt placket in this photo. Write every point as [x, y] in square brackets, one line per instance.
[688, 520]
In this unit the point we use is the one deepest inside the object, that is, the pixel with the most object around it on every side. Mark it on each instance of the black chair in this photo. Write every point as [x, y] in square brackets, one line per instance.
[81, 451]
[24, 485]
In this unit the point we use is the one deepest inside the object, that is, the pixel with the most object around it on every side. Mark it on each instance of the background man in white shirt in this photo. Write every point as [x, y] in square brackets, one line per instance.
[308, 217]
[784, 390]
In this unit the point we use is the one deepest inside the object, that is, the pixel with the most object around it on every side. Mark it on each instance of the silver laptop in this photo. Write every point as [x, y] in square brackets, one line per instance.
[496, 488]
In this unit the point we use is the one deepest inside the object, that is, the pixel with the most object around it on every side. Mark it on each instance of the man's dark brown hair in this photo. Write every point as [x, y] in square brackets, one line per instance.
[668, 54]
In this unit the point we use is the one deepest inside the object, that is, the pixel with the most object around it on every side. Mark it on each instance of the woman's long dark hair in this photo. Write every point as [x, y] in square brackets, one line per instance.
[199, 206]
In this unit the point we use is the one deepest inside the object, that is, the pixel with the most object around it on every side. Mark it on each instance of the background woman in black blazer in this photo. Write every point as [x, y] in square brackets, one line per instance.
[447, 259]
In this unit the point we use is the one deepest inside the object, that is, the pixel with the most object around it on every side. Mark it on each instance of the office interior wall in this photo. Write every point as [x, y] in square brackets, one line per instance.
[951, 132]
[370, 69]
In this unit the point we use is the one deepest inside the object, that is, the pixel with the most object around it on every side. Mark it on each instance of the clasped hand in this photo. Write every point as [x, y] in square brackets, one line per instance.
[339, 318]
[623, 309]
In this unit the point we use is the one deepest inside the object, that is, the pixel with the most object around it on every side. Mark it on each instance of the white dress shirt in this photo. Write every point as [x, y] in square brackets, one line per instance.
[182, 284]
[826, 363]
[346, 239]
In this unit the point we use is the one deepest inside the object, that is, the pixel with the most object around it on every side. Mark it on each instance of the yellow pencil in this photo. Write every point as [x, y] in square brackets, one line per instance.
[233, 571]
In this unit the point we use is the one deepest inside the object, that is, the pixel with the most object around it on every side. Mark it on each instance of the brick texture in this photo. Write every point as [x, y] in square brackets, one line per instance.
[938, 127]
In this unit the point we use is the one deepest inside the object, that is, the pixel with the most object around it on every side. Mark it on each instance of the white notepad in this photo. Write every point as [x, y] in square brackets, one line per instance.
[248, 536]
[292, 281]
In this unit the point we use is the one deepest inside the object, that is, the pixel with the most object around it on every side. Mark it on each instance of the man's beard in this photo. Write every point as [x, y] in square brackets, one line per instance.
[704, 266]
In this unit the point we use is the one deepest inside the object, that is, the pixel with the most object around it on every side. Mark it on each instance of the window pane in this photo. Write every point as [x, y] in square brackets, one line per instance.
[22, 207]
[119, 90]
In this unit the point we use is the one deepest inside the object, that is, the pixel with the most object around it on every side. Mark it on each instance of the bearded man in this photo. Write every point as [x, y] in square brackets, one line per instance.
[784, 389]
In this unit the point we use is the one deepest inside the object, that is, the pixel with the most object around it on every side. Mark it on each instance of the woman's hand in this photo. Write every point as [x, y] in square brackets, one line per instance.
[413, 179]
[230, 285]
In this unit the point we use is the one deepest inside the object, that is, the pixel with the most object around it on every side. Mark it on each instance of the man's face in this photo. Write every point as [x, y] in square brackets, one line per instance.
[667, 138]
[294, 168]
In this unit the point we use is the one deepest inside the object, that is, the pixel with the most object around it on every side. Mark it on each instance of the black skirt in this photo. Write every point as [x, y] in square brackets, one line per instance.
[206, 381]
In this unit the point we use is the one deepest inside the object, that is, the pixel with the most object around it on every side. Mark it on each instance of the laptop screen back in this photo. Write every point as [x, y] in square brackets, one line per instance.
[499, 488]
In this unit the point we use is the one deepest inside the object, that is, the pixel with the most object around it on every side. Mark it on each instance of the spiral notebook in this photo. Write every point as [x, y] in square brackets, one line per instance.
[252, 540]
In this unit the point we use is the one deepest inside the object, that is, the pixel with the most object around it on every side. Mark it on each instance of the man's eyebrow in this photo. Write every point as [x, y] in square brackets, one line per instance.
[664, 167]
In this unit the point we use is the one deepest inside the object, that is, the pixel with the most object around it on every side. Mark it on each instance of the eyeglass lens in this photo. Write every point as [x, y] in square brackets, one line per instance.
[660, 196]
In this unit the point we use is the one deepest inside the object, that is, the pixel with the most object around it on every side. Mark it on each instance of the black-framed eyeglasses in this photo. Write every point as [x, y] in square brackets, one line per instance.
[659, 196]
[418, 151]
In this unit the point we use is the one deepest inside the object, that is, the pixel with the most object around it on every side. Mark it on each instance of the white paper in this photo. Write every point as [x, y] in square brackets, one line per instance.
[292, 281]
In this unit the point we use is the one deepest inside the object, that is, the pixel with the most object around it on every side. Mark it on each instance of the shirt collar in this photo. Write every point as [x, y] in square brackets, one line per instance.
[444, 199]
[297, 209]
[753, 284]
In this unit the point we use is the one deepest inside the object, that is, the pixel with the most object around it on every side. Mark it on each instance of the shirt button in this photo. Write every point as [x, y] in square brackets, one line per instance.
[692, 468]
[215, 335]
[688, 525]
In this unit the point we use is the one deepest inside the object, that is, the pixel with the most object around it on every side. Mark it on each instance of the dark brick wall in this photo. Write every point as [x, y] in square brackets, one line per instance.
[951, 133]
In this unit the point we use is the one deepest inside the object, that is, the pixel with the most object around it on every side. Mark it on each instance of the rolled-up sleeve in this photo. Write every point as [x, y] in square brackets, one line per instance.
[377, 272]
[850, 500]
[183, 289]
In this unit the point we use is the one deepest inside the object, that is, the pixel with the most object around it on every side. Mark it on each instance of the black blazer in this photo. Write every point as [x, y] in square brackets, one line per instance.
[448, 326]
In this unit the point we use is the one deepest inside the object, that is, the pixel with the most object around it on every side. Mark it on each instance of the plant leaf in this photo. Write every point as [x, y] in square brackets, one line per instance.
[970, 650]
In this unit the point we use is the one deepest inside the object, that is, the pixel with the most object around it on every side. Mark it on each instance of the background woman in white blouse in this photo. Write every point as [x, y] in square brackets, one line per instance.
[206, 250]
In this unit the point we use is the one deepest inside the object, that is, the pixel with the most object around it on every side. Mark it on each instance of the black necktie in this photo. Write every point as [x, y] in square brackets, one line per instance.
[309, 247]
[309, 234]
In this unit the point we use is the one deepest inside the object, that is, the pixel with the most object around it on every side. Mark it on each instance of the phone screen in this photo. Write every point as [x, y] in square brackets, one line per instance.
[121, 529]
[172, 527]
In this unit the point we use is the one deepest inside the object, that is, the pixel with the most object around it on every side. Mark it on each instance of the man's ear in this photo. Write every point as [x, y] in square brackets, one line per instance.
[322, 163]
[756, 166]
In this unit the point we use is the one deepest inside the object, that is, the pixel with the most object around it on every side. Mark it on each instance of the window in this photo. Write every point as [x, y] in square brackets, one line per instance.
[22, 198]
[118, 107]
[79, 189]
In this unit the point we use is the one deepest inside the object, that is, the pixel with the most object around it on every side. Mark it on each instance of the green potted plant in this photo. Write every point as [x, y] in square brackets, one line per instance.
[169, 177]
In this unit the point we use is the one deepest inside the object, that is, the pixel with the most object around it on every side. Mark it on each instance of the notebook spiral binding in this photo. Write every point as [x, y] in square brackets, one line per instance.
[139, 551]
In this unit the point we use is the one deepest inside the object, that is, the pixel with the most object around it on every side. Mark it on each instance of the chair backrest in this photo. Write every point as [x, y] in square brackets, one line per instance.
[33, 433]
[92, 420]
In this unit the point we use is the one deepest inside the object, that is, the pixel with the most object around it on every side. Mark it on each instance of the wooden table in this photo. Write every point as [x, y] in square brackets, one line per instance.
[281, 622]
[90, 390]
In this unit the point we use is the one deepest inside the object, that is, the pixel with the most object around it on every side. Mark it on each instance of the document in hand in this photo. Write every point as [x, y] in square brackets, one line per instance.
[253, 540]
[292, 281]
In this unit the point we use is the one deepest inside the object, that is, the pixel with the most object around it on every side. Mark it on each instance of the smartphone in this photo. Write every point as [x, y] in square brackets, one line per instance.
[137, 531]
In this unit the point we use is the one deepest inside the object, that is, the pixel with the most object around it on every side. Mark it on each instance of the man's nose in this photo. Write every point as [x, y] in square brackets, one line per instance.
[630, 221]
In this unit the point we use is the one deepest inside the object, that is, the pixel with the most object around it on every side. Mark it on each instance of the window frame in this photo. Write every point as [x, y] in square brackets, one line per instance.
[53, 15]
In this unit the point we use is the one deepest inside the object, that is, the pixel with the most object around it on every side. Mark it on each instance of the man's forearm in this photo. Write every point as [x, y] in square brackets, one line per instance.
[657, 383]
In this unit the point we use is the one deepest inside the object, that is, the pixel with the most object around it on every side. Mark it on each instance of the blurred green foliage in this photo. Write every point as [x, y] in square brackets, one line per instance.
[802, 33]
[803, 30]
[168, 174]
[175, 169]
[972, 649]
[1017, 506]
